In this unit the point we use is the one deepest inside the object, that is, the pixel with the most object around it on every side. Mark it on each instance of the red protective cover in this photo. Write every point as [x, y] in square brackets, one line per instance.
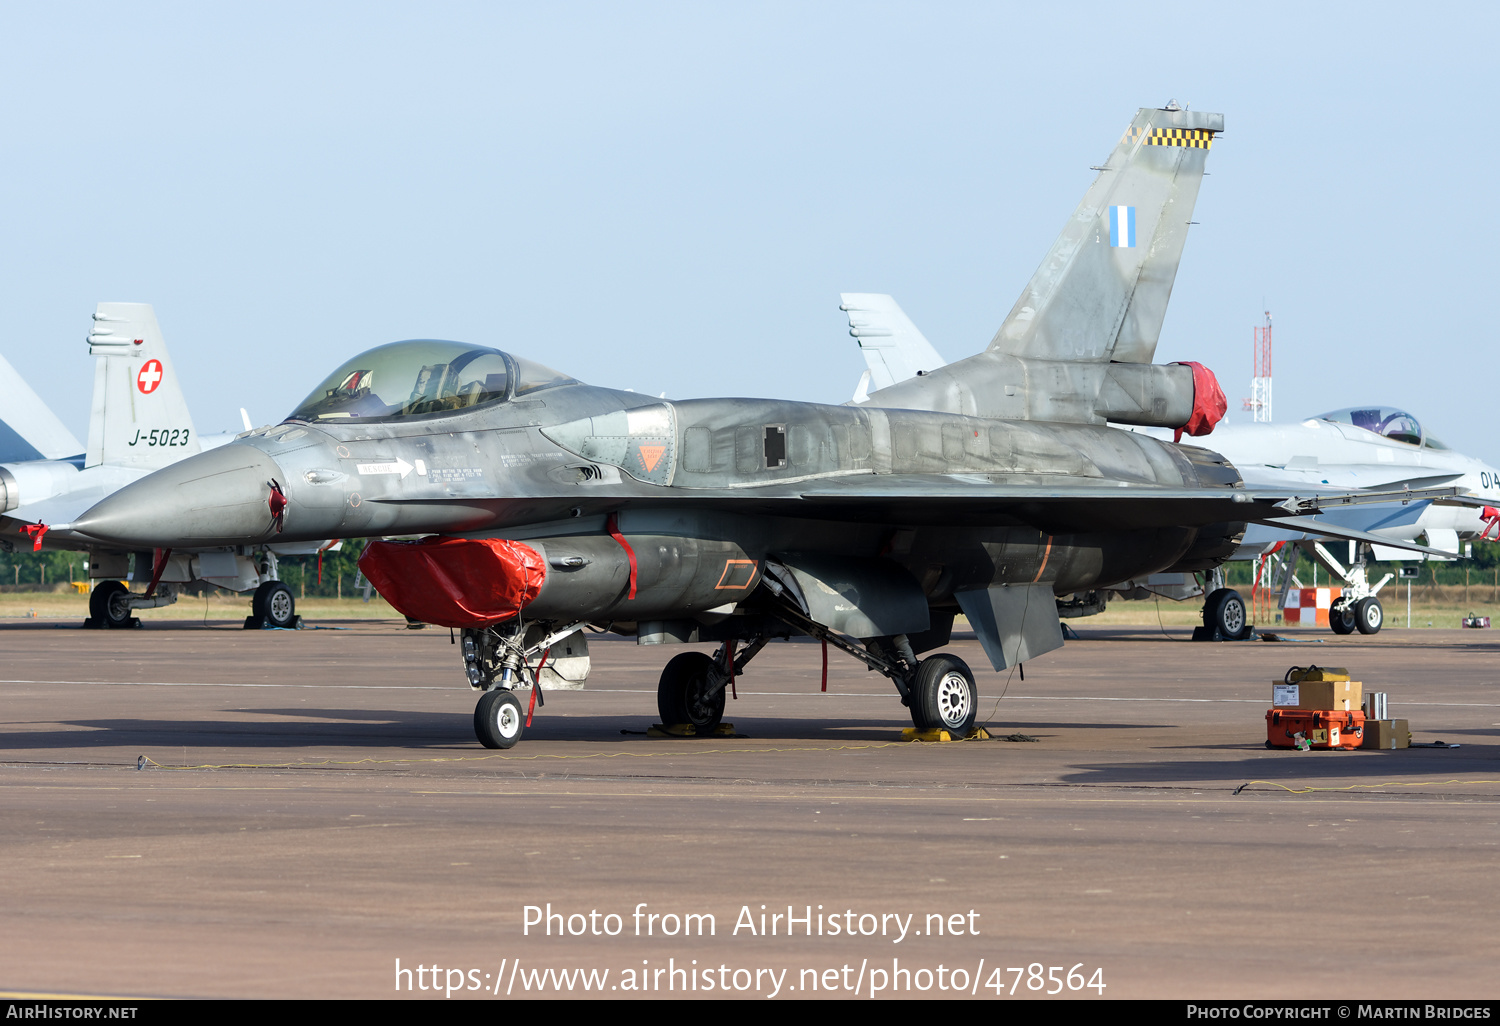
[455, 582]
[1209, 404]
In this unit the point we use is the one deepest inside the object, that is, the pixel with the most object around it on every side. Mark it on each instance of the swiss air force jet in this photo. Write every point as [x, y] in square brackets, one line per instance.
[989, 486]
[139, 423]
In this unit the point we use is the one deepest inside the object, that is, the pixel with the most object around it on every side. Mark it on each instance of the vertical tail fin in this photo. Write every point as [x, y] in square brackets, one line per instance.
[893, 348]
[28, 429]
[139, 416]
[1101, 292]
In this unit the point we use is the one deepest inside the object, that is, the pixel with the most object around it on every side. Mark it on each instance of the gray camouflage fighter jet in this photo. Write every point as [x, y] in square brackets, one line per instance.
[988, 486]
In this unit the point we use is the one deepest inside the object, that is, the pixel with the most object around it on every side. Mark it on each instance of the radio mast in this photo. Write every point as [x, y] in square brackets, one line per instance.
[1259, 402]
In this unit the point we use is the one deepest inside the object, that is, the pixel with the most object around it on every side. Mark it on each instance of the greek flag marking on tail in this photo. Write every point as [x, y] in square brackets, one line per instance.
[1122, 226]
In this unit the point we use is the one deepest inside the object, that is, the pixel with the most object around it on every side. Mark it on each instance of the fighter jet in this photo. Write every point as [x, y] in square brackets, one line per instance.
[1369, 447]
[988, 486]
[139, 423]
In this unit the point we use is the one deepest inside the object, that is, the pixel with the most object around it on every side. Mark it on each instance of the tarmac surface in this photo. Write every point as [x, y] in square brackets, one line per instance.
[315, 819]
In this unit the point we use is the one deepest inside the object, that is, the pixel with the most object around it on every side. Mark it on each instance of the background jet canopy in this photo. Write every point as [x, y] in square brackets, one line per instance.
[423, 376]
[1384, 420]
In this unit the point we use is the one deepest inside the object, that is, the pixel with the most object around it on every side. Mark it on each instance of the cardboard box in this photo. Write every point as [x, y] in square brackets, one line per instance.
[1339, 695]
[1387, 734]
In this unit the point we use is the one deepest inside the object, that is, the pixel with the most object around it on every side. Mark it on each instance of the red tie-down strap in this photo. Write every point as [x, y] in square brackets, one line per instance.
[36, 532]
[1491, 517]
[536, 686]
[613, 527]
[1209, 404]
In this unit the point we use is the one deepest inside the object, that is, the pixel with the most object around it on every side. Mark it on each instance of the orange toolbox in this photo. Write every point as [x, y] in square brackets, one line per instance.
[1314, 728]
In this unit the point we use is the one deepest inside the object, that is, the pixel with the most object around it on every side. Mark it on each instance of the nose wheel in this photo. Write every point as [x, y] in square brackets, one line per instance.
[499, 719]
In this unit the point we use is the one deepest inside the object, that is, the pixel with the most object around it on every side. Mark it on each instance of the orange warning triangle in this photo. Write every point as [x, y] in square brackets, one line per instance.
[651, 456]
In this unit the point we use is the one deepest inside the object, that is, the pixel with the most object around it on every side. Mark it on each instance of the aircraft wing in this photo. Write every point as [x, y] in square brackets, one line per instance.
[1059, 505]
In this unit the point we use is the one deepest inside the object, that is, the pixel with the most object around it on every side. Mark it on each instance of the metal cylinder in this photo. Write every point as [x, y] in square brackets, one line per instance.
[1375, 705]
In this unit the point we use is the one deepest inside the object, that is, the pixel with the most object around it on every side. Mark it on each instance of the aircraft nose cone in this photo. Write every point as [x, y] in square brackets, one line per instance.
[232, 495]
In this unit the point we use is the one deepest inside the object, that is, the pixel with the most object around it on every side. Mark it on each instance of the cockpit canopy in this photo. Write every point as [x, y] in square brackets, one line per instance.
[1397, 425]
[423, 376]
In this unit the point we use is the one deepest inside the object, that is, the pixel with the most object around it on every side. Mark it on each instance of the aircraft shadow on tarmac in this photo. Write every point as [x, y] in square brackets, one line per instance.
[397, 729]
[1292, 767]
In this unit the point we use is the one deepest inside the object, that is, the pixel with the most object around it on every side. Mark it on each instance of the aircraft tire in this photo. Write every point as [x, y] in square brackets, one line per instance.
[274, 605]
[914, 706]
[1342, 617]
[945, 691]
[106, 606]
[682, 694]
[499, 719]
[1369, 615]
[1225, 611]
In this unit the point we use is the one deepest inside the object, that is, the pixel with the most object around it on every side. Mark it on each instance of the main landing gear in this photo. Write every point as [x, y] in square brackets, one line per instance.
[939, 691]
[1358, 608]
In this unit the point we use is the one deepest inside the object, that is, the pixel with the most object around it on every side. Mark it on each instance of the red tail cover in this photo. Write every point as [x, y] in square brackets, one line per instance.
[455, 582]
[1209, 404]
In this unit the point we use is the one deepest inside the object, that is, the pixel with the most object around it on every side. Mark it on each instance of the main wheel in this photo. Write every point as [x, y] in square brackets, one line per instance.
[1225, 611]
[944, 691]
[109, 606]
[1369, 615]
[683, 694]
[1341, 617]
[274, 604]
[499, 719]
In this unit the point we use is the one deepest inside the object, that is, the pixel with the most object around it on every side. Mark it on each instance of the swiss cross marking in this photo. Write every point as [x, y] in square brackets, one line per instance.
[149, 377]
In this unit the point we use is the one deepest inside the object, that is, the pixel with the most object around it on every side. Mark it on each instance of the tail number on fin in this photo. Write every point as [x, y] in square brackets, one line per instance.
[162, 436]
[149, 377]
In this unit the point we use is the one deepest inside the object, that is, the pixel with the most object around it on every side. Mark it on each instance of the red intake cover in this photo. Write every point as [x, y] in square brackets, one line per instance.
[455, 582]
[1209, 404]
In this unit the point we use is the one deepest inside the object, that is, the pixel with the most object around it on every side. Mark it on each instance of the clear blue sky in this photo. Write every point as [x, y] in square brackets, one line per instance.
[669, 197]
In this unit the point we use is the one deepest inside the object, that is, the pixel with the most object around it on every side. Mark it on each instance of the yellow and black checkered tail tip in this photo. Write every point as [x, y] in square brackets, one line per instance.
[1193, 138]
